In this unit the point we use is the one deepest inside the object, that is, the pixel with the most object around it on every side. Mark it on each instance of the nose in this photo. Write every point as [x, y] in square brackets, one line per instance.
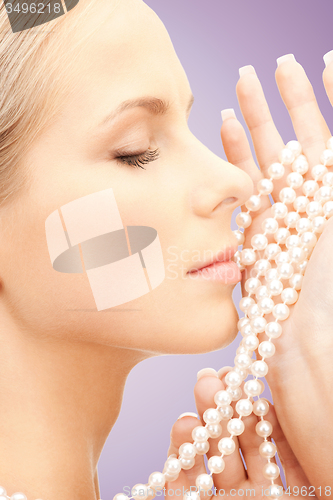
[218, 186]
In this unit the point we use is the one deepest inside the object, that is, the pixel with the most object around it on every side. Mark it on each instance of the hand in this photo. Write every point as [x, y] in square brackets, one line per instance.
[234, 476]
[301, 369]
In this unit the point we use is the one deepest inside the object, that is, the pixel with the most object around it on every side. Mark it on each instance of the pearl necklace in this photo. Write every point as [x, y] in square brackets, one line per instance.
[290, 265]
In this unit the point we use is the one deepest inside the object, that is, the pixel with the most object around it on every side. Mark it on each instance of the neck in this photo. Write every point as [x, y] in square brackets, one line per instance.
[59, 402]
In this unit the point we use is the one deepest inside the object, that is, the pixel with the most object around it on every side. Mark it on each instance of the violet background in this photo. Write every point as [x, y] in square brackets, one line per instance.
[213, 39]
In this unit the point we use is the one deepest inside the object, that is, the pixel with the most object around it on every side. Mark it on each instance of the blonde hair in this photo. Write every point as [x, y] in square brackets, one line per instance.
[34, 80]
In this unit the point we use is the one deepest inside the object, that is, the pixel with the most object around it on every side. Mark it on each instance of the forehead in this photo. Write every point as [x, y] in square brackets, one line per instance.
[129, 54]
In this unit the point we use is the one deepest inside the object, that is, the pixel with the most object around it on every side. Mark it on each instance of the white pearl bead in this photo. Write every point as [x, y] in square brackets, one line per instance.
[172, 465]
[226, 412]
[318, 172]
[300, 165]
[215, 430]
[286, 156]
[239, 236]
[243, 361]
[275, 491]
[3, 492]
[275, 287]
[328, 179]
[281, 312]
[235, 426]
[271, 274]
[282, 258]
[18, 496]
[258, 324]
[271, 471]
[252, 388]
[252, 284]
[222, 398]
[191, 495]
[157, 479]
[295, 147]
[272, 250]
[318, 224]
[293, 241]
[201, 448]
[326, 157]
[301, 203]
[211, 416]
[270, 225]
[251, 342]
[262, 291]
[259, 368]
[287, 195]
[264, 428]
[216, 464]
[310, 187]
[266, 349]
[200, 434]
[296, 254]
[253, 311]
[140, 491]
[233, 379]
[314, 209]
[247, 330]
[289, 296]
[259, 241]
[309, 239]
[226, 445]
[276, 170]
[118, 496]
[296, 281]
[235, 393]
[187, 450]
[204, 482]
[295, 180]
[291, 219]
[265, 186]
[242, 350]
[243, 220]
[242, 321]
[260, 407]
[285, 270]
[267, 449]
[323, 194]
[273, 329]
[262, 266]
[186, 463]
[266, 305]
[329, 143]
[328, 209]
[304, 224]
[248, 257]
[301, 266]
[279, 210]
[253, 203]
[244, 408]
[245, 303]
[281, 235]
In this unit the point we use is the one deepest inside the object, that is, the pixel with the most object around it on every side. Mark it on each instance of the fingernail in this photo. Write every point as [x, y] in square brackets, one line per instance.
[328, 57]
[287, 57]
[223, 371]
[188, 414]
[207, 372]
[245, 70]
[228, 113]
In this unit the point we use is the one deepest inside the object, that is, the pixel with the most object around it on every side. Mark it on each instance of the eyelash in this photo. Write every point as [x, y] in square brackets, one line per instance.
[138, 160]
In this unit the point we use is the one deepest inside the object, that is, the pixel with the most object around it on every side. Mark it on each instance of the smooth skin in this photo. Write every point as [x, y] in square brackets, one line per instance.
[300, 372]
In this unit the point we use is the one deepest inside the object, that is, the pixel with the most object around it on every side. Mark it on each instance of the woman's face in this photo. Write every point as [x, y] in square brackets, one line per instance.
[187, 194]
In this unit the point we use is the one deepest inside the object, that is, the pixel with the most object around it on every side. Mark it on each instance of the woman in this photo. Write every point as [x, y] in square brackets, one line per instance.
[64, 363]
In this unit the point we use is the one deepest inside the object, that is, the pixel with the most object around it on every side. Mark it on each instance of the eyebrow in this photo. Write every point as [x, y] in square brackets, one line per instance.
[154, 105]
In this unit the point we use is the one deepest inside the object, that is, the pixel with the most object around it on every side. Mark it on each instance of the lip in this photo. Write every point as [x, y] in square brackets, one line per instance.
[222, 256]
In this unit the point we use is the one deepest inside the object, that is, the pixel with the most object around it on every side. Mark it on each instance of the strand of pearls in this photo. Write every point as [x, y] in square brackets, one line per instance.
[299, 247]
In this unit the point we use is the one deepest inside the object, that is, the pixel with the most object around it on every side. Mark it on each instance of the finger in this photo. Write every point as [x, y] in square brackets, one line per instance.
[238, 152]
[294, 473]
[266, 140]
[297, 94]
[250, 442]
[234, 472]
[328, 75]
[181, 432]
